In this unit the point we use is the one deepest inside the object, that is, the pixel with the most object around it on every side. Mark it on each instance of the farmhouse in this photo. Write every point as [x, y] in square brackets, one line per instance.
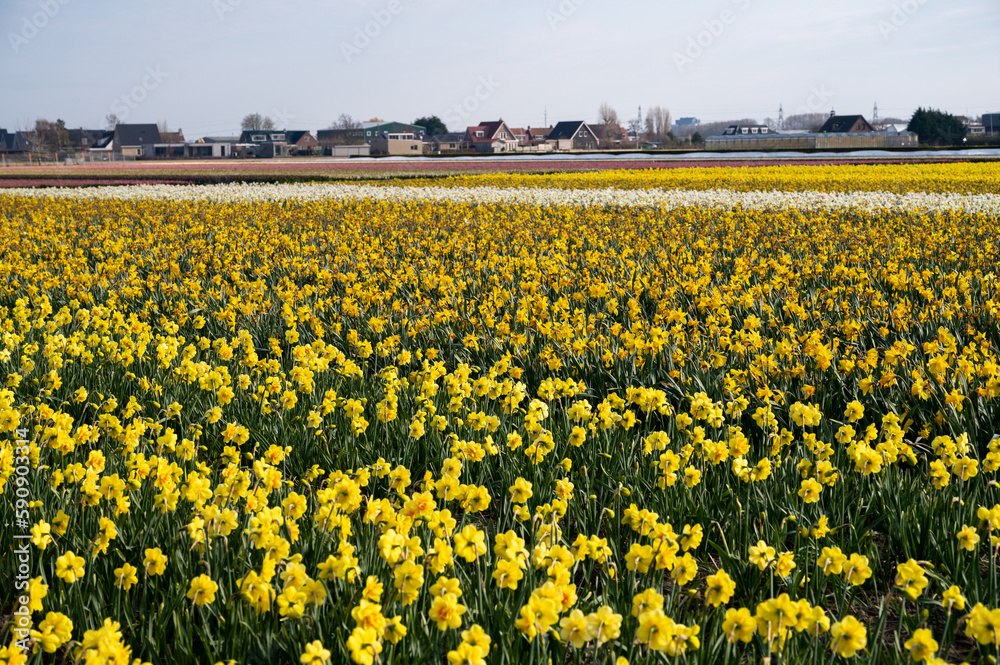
[489, 137]
[12, 142]
[845, 124]
[573, 135]
[135, 140]
[301, 142]
[263, 143]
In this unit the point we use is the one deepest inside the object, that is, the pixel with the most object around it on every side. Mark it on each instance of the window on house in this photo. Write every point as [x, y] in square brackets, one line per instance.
[277, 137]
[413, 147]
[258, 137]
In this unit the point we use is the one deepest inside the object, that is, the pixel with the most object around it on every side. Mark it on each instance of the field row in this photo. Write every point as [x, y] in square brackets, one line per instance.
[668, 199]
[962, 178]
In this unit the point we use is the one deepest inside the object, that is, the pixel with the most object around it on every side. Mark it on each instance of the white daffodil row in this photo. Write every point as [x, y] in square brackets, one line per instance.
[654, 198]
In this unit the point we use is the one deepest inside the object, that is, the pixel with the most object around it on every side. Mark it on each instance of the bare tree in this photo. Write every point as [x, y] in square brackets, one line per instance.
[345, 121]
[163, 127]
[111, 121]
[658, 124]
[49, 138]
[256, 122]
[347, 130]
[609, 127]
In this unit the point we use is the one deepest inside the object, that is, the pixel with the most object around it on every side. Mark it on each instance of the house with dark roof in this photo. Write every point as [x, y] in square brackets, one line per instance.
[12, 143]
[301, 142]
[746, 130]
[102, 147]
[135, 140]
[845, 124]
[573, 135]
[490, 137]
[263, 143]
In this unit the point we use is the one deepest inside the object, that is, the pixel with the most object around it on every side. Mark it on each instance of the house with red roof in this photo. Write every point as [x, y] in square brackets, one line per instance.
[493, 136]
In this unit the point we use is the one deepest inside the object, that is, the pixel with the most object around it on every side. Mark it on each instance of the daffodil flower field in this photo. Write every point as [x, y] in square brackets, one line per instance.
[631, 416]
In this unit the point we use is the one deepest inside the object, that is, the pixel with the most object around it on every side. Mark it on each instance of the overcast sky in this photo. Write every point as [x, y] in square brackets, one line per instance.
[201, 65]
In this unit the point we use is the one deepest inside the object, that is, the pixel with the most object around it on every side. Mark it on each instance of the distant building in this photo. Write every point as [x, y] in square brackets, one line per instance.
[538, 134]
[12, 143]
[845, 124]
[373, 130]
[685, 122]
[573, 135]
[491, 137]
[746, 130]
[328, 138]
[397, 144]
[362, 150]
[211, 146]
[263, 143]
[449, 143]
[366, 132]
[131, 141]
[812, 141]
[301, 142]
[991, 123]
